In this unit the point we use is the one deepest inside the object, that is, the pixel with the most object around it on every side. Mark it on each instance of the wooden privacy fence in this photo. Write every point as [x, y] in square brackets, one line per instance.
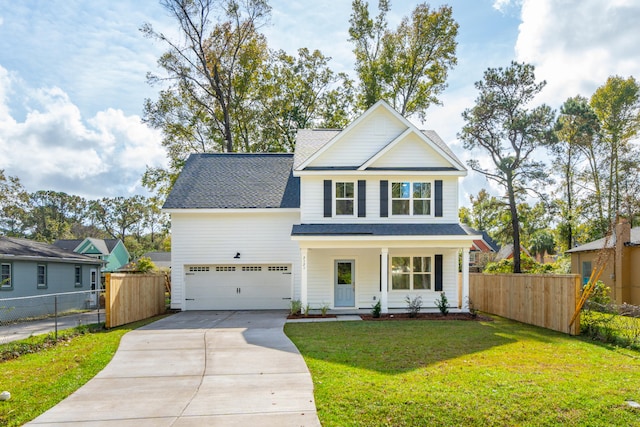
[538, 299]
[132, 297]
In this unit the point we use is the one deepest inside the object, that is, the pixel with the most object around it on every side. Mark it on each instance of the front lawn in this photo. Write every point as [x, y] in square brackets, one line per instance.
[39, 372]
[465, 373]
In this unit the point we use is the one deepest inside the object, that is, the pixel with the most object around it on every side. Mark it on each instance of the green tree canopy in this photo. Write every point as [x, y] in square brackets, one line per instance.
[408, 66]
[503, 125]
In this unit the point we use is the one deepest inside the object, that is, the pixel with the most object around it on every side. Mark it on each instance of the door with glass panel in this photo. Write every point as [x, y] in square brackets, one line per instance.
[344, 283]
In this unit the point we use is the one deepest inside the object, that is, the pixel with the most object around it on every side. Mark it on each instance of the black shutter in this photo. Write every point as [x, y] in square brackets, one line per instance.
[362, 198]
[438, 196]
[327, 198]
[438, 273]
[384, 199]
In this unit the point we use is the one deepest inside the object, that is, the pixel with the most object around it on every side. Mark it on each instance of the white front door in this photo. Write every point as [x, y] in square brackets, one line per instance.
[344, 283]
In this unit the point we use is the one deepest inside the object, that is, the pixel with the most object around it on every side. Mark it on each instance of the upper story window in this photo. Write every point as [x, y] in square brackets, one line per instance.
[5, 276]
[411, 198]
[42, 276]
[345, 198]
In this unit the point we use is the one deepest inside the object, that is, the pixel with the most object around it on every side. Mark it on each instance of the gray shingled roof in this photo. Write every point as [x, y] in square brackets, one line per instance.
[607, 243]
[435, 138]
[15, 248]
[236, 181]
[378, 230]
[68, 244]
[105, 246]
[309, 141]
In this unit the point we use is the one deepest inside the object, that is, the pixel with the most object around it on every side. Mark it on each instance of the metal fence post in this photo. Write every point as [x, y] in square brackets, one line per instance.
[55, 315]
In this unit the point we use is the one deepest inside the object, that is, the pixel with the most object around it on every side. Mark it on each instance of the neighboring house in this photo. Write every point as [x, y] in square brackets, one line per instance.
[356, 216]
[482, 251]
[29, 268]
[506, 252]
[620, 254]
[112, 251]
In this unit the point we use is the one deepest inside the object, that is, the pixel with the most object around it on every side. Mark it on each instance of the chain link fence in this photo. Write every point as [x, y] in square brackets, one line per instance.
[25, 316]
[612, 323]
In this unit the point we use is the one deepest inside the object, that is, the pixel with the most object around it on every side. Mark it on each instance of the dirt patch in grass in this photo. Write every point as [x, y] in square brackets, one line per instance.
[427, 316]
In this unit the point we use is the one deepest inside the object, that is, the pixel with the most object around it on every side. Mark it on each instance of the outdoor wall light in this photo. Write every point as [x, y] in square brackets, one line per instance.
[237, 255]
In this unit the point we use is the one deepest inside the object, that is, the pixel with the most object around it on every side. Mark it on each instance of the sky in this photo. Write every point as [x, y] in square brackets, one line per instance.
[73, 74]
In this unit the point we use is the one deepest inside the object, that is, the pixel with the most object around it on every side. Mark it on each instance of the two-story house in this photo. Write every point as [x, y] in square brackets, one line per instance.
[355, 216]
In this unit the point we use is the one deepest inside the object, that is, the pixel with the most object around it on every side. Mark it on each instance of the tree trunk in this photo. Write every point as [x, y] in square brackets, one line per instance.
[515, 223]
[569, 179]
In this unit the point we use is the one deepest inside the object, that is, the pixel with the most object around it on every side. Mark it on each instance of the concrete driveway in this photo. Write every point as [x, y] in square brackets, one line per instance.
[208, 368]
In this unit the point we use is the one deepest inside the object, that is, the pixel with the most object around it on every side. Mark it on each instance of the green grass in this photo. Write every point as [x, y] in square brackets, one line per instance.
[44, 373]
[464, 373]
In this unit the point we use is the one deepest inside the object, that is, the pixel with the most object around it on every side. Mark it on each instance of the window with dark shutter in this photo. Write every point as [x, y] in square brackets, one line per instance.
[384, 199]
[438, 273]
[327, 198]
[438, 197]
[362, 198]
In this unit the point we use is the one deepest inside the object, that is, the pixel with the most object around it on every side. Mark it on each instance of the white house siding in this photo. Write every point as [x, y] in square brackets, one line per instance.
[359, 143]
[367, 277]
[411, 152]
[312, 199]
[321, 275]
[210, 238]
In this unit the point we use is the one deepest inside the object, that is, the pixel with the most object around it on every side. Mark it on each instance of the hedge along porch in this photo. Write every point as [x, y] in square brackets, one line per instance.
[354, 271]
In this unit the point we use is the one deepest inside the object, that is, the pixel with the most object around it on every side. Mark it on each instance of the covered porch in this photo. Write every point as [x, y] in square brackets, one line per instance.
[350, 269]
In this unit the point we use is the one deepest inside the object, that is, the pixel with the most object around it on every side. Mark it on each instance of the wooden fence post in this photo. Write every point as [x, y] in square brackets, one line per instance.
[107, 300]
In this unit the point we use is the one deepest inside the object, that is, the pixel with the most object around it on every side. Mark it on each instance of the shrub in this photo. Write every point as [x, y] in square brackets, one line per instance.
[144, 265]
[442, 303]
[376, 309]
[324, 308]
[603, 321]
[295, 307]
[472, 310]
[305, 310]
[413, 305]
[527, 265]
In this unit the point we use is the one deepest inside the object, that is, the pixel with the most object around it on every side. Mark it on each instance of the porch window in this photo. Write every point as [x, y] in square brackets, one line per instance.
[409, 198]
[345, 198]
[42, 276]
[5, 277]
[411, 273]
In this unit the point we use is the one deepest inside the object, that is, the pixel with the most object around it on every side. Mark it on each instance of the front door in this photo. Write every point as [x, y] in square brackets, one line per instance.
[345, 285]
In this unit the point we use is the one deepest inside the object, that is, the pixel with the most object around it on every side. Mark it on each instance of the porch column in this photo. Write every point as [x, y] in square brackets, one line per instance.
[384, 280]
[303, 276]
[465, 278]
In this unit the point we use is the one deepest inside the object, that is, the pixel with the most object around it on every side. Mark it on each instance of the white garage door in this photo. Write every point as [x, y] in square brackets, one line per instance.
[237, 287]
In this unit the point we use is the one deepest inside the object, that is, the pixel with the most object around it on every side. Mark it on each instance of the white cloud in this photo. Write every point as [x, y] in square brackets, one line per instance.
[55, 148]
[576, 44]
[501, 5]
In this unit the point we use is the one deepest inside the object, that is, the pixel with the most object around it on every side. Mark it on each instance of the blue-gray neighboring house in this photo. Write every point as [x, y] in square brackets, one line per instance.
[29, 268]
